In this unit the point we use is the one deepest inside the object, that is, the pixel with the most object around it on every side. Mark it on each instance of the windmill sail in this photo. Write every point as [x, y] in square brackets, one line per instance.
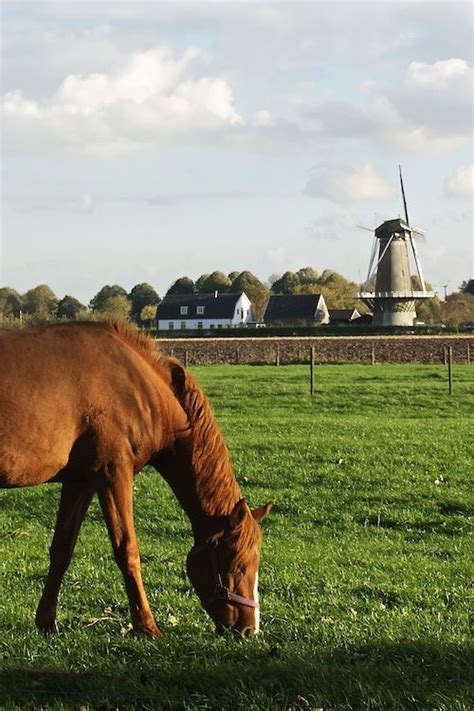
[403, 195]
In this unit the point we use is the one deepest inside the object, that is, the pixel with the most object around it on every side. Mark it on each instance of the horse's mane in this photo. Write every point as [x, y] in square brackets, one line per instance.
[217, 486]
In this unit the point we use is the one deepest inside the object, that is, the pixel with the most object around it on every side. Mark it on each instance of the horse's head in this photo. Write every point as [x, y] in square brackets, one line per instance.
[224, 571]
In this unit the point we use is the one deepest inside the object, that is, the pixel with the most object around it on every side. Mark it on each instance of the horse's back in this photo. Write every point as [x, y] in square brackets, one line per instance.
[60, 383]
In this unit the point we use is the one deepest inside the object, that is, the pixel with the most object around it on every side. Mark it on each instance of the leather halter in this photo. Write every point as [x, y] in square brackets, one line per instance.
[221, 592]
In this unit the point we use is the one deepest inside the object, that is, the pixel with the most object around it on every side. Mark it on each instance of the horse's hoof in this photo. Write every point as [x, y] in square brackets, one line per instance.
[47, 627]
[149, 631]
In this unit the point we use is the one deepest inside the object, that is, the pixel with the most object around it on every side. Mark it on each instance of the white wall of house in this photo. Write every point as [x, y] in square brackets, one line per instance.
[191, 324]
[322, 312]
[243, 311]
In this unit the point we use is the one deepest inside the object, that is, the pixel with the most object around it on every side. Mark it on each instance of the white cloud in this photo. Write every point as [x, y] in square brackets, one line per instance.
[342, 183]
[429, 111]
[148, 101]
[438, 75]
[461, 184]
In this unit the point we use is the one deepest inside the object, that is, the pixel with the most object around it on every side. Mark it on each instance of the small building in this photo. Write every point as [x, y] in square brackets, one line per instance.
[343, 316]
[296, 310]
[196, 312]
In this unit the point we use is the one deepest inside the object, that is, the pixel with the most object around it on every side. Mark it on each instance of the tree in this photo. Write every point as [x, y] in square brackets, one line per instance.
[114, 308]
[41, 302]
[467, 287]
[458, 309]
[307, 275]
[11, 303]
[254, 289]
[285, 284]
[199, 282]
[183, 285]
[233, 276]
[274, 276]
[326, 275]
[338, 292]
[428, 310]
[140, 296]
[148, 314]
[217, 281]
[98, 302]
[69, 307]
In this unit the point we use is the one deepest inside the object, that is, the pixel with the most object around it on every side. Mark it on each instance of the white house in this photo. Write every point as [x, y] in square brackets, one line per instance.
[195, 312]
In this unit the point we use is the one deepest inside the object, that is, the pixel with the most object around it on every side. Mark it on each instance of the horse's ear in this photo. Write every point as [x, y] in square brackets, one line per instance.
[260, 513]
[178, 378]
[238, 514]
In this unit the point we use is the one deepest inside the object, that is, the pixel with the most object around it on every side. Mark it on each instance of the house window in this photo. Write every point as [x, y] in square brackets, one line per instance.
[219, 325]
[183, 325]
[199, 309]
[212, 325]
[170, 325]
[199, 324]
[183, 310]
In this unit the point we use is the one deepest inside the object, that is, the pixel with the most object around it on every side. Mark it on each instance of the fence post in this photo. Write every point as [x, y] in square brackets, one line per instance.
[468, 354]
[186, 359]
[445, 355]
[450, 369]
[237, 355]
[372, 354]
[277, 362]
[311, 371]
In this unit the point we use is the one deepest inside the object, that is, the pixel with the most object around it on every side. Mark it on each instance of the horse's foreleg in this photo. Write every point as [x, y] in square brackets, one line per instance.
[75, 500]
[116, 500]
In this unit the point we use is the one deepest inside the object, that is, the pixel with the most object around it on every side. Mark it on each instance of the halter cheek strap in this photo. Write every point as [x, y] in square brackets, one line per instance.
[221, 592]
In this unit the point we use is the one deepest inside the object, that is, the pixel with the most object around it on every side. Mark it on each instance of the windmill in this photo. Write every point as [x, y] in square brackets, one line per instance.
[393, 300]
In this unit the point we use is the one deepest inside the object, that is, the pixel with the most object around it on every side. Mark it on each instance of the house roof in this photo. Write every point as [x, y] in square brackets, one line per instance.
[343, 314]
[220, 306]
[286, 306]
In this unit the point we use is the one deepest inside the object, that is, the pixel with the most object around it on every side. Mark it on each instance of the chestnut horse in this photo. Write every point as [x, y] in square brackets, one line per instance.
[89, 405]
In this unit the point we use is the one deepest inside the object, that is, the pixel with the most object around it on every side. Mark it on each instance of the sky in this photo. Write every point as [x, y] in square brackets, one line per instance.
[144, 141]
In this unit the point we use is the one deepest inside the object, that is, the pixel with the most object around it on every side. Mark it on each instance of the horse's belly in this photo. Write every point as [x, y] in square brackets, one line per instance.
[22, 467]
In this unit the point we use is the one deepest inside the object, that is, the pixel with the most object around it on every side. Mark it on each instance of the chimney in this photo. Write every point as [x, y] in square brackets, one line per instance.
[215, 294]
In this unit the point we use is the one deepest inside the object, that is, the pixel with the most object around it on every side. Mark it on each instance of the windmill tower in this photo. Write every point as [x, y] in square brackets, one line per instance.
[393, 302]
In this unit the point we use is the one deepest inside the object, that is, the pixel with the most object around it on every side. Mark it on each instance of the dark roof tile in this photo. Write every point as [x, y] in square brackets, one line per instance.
[295, 306]
[220, 306]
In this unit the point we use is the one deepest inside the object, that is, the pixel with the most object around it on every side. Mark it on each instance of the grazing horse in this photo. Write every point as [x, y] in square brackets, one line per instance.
[89, 405]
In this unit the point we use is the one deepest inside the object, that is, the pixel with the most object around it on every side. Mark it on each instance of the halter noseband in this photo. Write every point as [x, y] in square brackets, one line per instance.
[221, 592]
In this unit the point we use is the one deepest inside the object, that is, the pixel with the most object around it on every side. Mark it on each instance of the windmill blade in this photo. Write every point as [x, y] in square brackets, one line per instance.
[371, 260]
[417, 262]
[381, 256]
[417, 233]
[361, 227]
[403, 195]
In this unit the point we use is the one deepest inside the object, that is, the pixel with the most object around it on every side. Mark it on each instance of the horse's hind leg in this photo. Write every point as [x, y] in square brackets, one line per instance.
[75, 500]
[116, 500]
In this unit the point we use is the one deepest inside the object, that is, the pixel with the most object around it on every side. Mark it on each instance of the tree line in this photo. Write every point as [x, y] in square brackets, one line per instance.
[40, 304]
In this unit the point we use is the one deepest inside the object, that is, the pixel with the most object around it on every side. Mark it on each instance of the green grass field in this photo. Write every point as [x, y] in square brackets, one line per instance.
[366, 576]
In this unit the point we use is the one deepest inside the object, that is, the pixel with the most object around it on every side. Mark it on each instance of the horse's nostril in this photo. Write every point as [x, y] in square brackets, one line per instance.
[247, 632]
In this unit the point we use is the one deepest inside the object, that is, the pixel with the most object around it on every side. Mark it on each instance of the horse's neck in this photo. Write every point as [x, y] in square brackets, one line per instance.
[203, 482]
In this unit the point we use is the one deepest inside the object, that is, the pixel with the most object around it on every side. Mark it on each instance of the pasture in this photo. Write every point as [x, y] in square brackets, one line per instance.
[366, 575]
